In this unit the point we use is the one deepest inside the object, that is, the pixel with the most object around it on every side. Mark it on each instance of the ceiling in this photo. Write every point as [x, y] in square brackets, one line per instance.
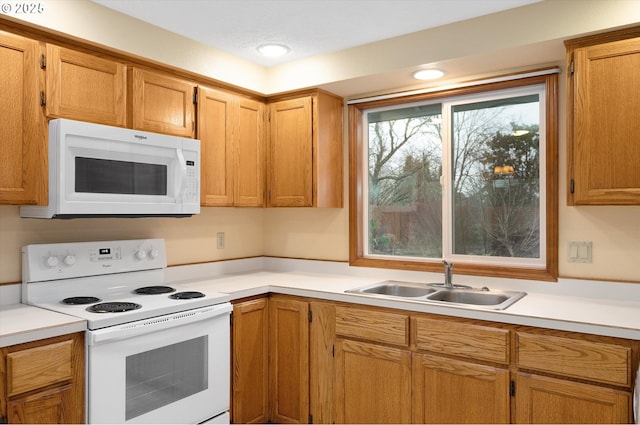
[308, 27]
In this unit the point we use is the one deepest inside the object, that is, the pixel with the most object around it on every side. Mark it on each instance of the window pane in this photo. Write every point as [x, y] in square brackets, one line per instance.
[496, 178]
[405, 196]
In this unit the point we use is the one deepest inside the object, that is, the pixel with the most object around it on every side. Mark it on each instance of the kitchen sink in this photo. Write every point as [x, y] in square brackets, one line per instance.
[395, 289]
[498, 300]
[437, 294]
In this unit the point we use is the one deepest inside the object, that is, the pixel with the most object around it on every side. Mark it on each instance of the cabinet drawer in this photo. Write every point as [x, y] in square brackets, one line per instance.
[373, 325]
[462, 339]
[38, 367]
[604, 362]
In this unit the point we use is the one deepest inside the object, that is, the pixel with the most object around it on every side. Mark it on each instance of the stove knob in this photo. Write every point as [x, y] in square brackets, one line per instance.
[69, 260]
[51, 261]
[154, 253]
[141, 254]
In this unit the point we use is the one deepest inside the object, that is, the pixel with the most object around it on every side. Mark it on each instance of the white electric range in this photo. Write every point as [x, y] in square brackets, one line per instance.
[157, 352]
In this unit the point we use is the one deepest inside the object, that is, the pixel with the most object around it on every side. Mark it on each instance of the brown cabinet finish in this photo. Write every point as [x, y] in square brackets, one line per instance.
[572, 356]
[85, 87]
[305, 151]
[249, 365]
[545, 400]
[462, 338]
[160, 103]
[23, 143]
[373, 325]
[603, 130]
[453, 391]
[372, 364]
[231, 133]
[43, 381]
[288, 360]
[372, 383]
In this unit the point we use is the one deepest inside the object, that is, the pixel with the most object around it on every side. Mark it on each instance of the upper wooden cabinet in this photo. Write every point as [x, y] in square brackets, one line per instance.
[603, 130]
[160, 103]
[85, 87]
[23, 143]
[305, 151]
[231, 132]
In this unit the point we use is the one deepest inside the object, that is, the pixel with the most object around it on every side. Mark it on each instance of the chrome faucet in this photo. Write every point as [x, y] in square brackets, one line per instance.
[447, 274]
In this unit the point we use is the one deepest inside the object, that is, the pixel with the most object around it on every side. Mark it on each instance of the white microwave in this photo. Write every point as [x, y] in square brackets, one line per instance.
[101, 171]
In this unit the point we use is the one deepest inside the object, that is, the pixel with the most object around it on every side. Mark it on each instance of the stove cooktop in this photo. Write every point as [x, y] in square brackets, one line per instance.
[108, 283]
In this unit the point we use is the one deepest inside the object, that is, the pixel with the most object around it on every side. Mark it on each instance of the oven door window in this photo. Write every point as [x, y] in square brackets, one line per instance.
[164, 375]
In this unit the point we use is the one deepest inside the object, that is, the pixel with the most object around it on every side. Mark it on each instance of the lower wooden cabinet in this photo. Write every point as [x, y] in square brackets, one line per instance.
[288, 360]
[453, 391]
[43, 381]
[330, 362]
[545, 400]
[249, 364]
[372, 383]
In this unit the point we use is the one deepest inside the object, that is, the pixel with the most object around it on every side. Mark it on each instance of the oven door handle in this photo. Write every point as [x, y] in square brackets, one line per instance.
[146, 326]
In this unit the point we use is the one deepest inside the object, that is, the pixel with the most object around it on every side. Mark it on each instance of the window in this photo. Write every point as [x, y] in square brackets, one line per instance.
[467, 175]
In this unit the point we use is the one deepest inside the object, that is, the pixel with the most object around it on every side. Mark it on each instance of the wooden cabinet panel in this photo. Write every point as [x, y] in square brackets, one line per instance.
[250, 368]
[38, 367]
[23, 143]
[373, 325]
[249, 159]
[216, 132]
[305, 165]
[51, 406]
[85, 87]
[452, 391]
[289, 360]
[372, 384]
[231, 133]
[43, 381]
[543, 400]
[603, 129]
[290, 154]
[605, 362]
[462, 338]
[322, 334]
[160, 103]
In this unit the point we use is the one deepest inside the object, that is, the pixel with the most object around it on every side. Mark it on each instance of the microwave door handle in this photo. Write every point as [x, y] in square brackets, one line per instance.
[181, 175]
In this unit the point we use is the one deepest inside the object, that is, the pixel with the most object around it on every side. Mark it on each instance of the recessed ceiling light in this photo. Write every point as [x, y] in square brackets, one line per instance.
[273, 50]
[428, 74]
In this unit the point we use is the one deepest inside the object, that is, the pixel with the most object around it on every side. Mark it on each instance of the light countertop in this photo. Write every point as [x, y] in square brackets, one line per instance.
[599, 308]
[21, 323]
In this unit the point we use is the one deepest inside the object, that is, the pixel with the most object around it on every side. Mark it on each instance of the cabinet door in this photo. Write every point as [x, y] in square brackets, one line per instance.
[160, 103]
[372, 383]
[289, 360]
[23, 143]
[54, 405]
[606, 130]
[85, 87]
[290, 165]
[249, 154]
[452, 391]
[543, 400]
[249, 381]
[216, 132]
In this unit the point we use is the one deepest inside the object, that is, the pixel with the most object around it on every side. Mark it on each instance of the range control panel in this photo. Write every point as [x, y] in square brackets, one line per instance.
[43, 262]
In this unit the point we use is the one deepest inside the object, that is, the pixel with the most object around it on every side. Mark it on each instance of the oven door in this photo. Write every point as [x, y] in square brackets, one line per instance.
[167, 369]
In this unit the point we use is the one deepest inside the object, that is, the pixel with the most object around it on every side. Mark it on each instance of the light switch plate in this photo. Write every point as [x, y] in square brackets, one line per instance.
[580, 252]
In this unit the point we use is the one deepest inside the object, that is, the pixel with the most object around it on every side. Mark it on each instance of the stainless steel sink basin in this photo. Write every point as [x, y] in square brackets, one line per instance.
[476, 298]
[495, 299]
[395, 288]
